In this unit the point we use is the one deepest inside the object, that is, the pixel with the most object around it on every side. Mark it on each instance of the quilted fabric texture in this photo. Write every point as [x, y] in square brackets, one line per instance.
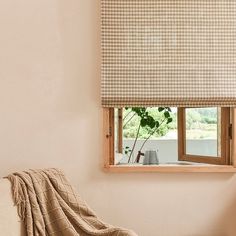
[48, 205]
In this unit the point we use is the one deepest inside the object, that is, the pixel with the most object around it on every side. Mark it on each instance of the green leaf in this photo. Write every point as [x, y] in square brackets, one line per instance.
[160, 109]
[157, 124]
[143, 122]
[152, 125]
[151, 122]
[166, 114]
[169, 120]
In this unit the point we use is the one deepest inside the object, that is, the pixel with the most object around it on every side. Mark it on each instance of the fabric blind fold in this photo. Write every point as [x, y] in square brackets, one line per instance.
[168, 53]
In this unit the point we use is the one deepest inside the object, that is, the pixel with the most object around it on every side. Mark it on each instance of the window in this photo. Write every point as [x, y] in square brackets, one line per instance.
[204, 135]
[177, 59]
[181, 137]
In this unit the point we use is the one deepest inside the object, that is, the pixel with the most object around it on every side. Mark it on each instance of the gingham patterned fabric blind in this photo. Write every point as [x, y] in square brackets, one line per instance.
[168, 52]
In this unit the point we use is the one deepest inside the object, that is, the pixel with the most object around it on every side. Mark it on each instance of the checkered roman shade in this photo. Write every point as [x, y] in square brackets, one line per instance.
[168, 52]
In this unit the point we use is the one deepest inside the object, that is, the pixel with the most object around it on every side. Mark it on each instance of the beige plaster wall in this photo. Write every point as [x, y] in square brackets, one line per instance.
[50, 116]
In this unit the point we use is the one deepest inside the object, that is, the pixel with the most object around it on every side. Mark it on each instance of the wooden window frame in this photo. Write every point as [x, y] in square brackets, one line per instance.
[108, 137]
[224, 158]
[227, 161]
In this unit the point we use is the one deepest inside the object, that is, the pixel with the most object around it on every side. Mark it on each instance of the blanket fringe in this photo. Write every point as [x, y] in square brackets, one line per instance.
[18, 195]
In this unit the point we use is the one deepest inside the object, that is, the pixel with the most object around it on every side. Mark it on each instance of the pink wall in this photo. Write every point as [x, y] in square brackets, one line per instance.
[50, 116]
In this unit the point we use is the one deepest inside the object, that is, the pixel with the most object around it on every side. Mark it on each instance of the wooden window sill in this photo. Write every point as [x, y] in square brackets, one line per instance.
[171, 168]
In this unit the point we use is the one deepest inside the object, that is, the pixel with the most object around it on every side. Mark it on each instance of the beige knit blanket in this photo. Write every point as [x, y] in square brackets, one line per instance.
[48, 205]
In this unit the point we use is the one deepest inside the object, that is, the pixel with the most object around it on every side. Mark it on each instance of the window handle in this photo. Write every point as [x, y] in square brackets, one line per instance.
[230, 131]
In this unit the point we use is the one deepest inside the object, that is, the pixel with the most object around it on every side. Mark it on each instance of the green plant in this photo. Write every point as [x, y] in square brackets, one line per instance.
[127, 150]
[147, 121]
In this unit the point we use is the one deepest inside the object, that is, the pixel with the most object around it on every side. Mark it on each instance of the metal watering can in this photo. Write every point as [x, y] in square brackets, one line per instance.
[150, 158]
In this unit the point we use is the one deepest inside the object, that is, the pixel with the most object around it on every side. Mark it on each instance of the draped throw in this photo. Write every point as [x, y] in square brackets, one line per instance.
[168, 53]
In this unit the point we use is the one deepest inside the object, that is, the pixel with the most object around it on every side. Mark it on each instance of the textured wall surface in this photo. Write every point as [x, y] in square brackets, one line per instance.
[50, 116]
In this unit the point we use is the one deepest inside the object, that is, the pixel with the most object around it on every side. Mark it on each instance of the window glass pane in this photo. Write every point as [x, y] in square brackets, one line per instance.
[147, 129]
[203, 131]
